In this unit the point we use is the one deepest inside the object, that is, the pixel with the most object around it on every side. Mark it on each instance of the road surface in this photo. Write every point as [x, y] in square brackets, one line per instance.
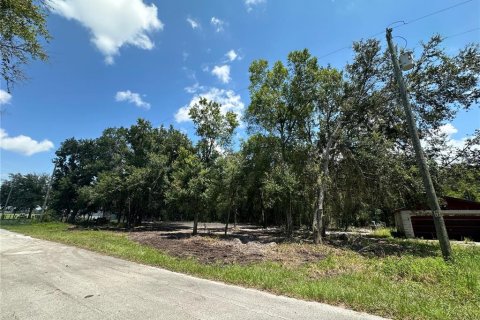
[46, 280]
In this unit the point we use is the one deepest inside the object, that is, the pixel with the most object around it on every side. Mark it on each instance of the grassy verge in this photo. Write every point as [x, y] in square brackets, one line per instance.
[408, 287]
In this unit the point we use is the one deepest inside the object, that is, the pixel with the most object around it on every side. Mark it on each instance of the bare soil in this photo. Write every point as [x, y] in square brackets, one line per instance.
[241, 246]
[248, 244]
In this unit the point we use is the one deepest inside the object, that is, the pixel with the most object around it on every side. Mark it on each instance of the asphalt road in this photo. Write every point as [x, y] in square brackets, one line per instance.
[46, 280]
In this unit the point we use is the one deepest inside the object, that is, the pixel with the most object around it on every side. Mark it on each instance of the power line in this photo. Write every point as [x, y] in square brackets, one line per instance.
[453, 35]
[404, 24]
[461, 33]
[434, 13]
[333, 52]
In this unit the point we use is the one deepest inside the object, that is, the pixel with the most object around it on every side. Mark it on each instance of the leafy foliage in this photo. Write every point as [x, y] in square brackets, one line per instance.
[22, 31]
[26, 192]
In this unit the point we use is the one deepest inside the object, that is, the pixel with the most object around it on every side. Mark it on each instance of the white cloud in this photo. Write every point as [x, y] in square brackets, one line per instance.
[217, 24]
[231, 55]
[447, 131]
[252, 3]
[193, 23]
[222, 73]
[112, 23]
[194, 88]
[23, 144]
[182, 114]
[229, 100]
[5, 97]
[132, 97]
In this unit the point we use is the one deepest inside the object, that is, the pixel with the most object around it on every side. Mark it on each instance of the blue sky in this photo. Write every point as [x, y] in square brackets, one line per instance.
[113, 61]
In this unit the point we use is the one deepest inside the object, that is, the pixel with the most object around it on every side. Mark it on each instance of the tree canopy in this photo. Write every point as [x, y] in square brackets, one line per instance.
[23, 34]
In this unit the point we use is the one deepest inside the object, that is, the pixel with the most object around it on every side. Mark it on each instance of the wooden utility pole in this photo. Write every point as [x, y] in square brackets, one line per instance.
[440, 228]
[8, 199]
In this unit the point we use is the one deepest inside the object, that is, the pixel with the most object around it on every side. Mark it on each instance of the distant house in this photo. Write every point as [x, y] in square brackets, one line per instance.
[462, 220]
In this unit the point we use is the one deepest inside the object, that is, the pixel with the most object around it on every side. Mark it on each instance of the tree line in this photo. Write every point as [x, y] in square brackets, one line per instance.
[325, 147]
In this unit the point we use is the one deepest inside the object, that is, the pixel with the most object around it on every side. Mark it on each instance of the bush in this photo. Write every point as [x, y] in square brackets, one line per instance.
[48, 216]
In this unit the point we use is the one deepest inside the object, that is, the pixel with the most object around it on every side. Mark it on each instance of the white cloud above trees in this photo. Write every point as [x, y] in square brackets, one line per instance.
[132, 97]
[228, 99]
[449, 130]
[23, 144]
[446, 131]
[222, 73]
[112, 23]
[194, 88]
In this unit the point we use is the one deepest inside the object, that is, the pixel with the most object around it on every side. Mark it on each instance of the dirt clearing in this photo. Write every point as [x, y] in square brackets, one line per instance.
[234, 249]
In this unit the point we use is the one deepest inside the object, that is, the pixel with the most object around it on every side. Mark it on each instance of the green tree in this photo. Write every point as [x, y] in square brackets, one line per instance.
[257, 154]
[215, 130]
[226, 189]
[456, 168]
[187, 189]
[28, 191]
[76, 167]
[22, 33]
[277, 108]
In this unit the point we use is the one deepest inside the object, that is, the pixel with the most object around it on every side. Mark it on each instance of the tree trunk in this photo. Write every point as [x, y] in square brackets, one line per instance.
[235, 217]
[30, 213]
[321, 189]
[317, 228]
[264, 221]
[228, 218]
[324, 228]
[119, 218]
[232, 196]
[289, 226]
[226, 222]
[129, 217]
[195, 223]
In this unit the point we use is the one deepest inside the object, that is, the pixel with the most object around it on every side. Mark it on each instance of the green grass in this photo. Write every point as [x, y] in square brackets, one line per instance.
[382, 233]
[414, 286]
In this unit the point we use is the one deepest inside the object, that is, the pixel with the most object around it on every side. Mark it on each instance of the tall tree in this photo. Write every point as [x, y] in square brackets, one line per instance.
[276, 110]
[215, 130]
[76, 167]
